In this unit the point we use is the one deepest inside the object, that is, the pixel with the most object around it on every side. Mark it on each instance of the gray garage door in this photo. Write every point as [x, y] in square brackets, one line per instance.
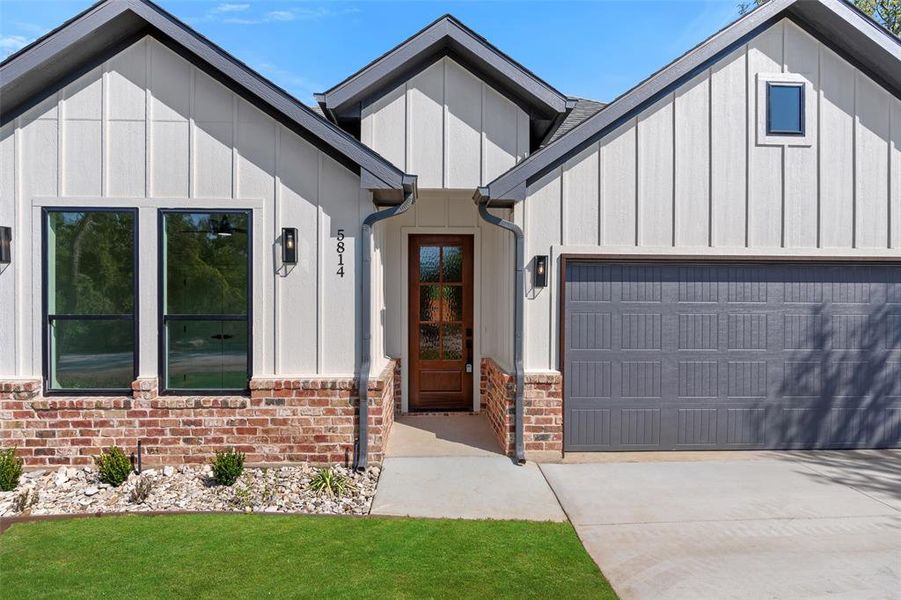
[663, 356]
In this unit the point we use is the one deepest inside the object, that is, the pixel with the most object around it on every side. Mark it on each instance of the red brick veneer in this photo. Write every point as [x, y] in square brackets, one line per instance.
[283, 421]
[542, 409]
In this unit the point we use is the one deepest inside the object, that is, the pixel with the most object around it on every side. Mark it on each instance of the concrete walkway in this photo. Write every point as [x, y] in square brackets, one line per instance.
[770, 525]
[448, 467]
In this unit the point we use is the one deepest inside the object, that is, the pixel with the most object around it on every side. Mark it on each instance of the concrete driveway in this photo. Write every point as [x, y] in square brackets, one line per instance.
[767, 525]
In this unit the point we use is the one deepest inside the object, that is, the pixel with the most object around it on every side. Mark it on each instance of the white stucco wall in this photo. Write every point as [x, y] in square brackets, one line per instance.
[687, 176]
[147, 129]
[448, 127]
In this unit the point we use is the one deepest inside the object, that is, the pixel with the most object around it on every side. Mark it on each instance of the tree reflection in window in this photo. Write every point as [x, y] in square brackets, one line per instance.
[206, 306]
[89, 264]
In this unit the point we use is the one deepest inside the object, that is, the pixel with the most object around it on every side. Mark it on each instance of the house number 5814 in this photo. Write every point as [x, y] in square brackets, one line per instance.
[340, 271]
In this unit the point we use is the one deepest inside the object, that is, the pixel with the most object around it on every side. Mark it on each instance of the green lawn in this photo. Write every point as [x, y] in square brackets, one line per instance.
[254, 556]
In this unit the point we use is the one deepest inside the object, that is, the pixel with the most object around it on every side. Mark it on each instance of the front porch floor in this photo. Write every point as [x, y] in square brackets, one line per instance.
[461, 434]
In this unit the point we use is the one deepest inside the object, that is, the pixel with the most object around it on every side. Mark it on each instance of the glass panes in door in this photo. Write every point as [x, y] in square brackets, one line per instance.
[441, 302]
[206, 302]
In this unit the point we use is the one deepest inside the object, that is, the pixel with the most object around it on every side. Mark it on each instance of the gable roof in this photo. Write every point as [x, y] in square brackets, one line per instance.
[583, 109]
[838, 24]
[109, 26]
[446, 36]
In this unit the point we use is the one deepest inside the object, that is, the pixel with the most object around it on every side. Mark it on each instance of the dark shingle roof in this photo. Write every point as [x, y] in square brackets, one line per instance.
[583, 109]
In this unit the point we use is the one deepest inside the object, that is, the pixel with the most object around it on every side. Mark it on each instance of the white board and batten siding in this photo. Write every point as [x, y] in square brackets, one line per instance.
[448, 127]
[147, 129]
[686, 176]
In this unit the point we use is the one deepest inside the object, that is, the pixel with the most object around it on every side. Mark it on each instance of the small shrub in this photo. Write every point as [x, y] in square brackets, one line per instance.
[10, 470]
[228, 466]
[25, 499]
[141, 490]
[330, 482]
[242, 497]
[114, 466]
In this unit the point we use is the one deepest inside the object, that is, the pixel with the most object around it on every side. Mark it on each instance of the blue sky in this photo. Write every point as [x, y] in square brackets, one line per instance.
[593, 49]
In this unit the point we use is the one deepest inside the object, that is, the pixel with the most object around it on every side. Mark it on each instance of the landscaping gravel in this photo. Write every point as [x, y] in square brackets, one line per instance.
[68, 490]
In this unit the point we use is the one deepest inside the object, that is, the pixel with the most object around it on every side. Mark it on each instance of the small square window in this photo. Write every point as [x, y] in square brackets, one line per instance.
[784, 109]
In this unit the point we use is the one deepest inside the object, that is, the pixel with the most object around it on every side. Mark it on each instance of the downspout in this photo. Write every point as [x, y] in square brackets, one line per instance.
[519, 454]
[361, 457]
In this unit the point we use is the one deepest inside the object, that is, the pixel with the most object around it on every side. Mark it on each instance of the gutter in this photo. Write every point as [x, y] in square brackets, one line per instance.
[361, 456]
[483, 200]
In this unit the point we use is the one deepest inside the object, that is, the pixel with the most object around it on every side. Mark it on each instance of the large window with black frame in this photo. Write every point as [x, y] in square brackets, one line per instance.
[90, 274]
[205, 302]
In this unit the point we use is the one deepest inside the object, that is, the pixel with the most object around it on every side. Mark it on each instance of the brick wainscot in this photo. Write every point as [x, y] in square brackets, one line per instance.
[542, 409]
[282, 421]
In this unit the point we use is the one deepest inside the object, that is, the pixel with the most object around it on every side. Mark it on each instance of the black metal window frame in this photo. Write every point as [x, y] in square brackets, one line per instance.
[801, 108]
[163, 318]
[48, 319]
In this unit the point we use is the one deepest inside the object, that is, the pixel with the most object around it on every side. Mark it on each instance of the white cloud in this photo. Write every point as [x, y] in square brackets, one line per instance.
[230, 8]
[275, 16]
[280, 15]
[12, 43]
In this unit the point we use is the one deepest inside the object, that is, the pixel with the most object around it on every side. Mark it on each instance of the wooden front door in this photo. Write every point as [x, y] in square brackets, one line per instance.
[441, 356]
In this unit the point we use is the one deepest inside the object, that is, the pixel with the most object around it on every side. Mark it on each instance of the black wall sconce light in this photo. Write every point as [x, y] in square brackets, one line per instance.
[289, 245]
[539, 276]
[6, 245]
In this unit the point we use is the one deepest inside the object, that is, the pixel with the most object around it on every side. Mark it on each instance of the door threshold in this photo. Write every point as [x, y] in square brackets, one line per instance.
[440, 413]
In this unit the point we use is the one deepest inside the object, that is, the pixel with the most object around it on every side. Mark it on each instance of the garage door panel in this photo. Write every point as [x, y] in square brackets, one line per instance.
[699, 379]
[697, 427]
[694, 356]
[745, 427]
[888, 428]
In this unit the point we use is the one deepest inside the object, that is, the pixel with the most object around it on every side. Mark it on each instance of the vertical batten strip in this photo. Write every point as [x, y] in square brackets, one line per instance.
[408, 127]
[782, 234]
[148, 121]
[710, 157]
[819, 104]
[444, 115]
[782, 152]
[104, 129]
[192, 137]
[60, 141]
[235, 154]
[19, 245]
[748, 137]
[673, 175]
[888, 196]
[320, 264]
[483, 138]
[600, 199]
[277, 280]
[854, 170]
[637, 183]
[819, 159]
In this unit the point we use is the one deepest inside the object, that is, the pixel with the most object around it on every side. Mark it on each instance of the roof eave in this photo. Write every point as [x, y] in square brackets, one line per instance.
[107, 16]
